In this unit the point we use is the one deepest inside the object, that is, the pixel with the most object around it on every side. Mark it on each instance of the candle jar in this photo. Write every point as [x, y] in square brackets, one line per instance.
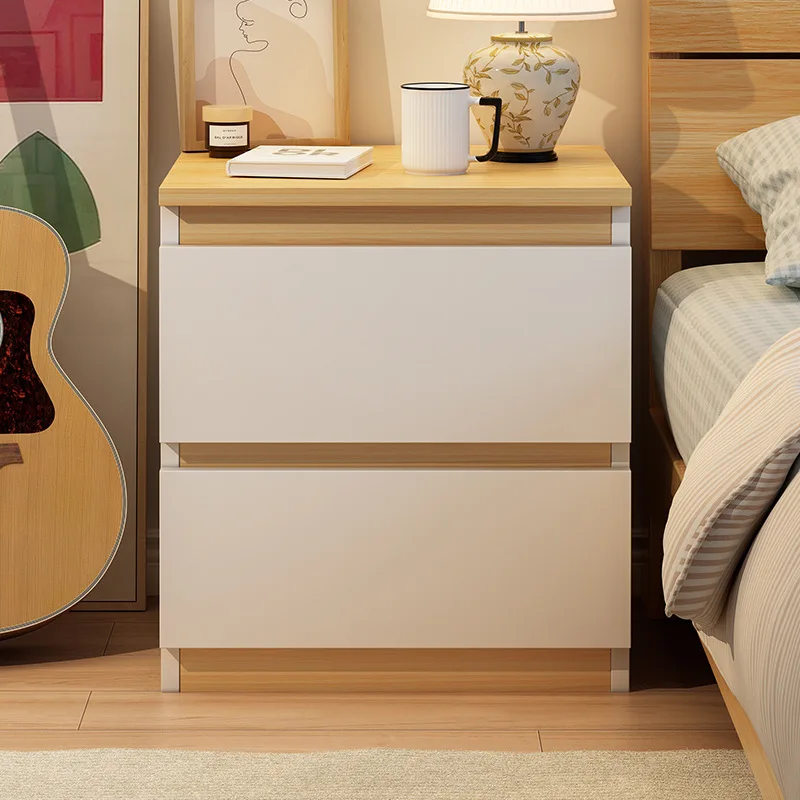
[227, 130]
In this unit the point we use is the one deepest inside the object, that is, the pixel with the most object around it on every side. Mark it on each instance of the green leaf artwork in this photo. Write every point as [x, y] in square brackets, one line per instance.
[38, 176]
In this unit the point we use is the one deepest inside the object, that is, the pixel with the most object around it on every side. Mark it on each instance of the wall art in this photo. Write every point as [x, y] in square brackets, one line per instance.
[73, 119]
[285, 58]
[51, 50]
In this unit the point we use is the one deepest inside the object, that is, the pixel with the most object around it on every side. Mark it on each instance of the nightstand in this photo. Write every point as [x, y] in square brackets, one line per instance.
[395, 426]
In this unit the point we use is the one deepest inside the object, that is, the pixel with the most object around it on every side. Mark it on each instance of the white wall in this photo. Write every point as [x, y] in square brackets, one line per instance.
[392, 42]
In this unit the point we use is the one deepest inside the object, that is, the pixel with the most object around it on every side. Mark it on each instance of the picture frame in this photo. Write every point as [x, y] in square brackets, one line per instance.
[288, 59]
[74, 81]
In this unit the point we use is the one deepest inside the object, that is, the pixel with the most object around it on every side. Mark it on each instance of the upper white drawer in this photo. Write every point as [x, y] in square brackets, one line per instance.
[294, 344]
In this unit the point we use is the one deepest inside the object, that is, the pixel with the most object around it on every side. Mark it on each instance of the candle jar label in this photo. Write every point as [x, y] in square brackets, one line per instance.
[228, 135]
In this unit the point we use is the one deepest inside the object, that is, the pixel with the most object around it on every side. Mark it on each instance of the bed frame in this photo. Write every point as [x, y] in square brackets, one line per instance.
[714, 69]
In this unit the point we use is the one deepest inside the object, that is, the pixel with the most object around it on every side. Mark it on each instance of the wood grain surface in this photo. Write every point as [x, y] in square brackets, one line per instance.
[142, 310]
[446, 671]
[582, 177]
[10, 454]
[112, 659]
[695, 107]
[325, 225]
[397, 455]
[61, 511]
[724, 26]
[291, 713]
[30, 711]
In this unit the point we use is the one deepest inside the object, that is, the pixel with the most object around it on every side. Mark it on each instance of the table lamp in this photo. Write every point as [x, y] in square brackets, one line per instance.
[537, 81]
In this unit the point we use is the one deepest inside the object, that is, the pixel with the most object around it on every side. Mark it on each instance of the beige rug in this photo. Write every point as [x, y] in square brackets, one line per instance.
[375, 775]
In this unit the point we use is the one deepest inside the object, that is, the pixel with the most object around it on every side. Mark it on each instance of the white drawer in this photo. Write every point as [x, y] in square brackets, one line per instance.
[395, 559]
[264, 344]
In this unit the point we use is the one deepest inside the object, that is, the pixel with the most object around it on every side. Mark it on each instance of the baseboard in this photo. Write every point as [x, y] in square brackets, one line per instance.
[414, 671]
[152, 562]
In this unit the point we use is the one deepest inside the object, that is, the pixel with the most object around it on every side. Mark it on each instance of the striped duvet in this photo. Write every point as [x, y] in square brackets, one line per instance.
[756, 642]
[733, 477]
[732, 551]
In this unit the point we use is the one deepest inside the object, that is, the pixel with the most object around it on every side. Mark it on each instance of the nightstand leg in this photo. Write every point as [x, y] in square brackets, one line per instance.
[170, 658]
[620, 227]
[170, 226]
[170, 670]
[621, 670]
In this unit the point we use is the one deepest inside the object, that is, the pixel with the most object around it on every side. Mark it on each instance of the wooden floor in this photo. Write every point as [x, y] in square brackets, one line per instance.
[92, 680]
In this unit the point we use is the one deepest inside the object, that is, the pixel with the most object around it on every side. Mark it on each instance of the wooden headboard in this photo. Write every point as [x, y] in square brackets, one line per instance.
[716, 68]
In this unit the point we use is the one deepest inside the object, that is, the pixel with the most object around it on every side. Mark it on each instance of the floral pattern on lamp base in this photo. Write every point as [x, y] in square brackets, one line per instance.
[538, 84]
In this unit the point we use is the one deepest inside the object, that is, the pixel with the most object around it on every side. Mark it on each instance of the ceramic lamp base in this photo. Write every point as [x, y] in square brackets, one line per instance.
[538, 83]
[526, 158]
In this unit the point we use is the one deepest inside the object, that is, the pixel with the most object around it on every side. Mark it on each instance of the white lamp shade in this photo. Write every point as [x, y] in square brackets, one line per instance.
[555, 10]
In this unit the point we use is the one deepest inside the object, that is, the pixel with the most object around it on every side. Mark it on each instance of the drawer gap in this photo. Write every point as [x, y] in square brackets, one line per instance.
[396, 455]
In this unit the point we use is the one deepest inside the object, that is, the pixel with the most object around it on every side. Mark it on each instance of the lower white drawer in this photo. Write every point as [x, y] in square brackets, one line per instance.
[395, 559]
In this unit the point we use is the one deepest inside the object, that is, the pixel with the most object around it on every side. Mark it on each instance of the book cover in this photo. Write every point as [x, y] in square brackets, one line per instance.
[300, 162]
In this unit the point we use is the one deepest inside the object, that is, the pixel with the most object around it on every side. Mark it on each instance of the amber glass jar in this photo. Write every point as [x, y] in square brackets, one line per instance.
[227, 130]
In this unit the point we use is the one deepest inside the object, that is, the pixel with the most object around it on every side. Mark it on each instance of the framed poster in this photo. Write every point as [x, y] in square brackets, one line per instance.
[287, 59]
[73, 150]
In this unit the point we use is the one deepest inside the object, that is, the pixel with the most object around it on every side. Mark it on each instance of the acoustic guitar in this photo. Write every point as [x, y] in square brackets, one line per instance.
[62, 489]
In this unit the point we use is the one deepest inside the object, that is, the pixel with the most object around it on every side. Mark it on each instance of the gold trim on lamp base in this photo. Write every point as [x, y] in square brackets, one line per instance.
[522, 37]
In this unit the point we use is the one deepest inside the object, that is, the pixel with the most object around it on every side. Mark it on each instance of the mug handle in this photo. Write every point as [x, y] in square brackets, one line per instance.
[497, 102]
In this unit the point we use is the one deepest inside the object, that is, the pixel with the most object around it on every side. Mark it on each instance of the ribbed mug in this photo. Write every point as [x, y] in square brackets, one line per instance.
[436, 127]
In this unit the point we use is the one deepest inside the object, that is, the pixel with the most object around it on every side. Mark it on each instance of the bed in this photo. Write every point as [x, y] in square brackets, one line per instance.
[711, 325]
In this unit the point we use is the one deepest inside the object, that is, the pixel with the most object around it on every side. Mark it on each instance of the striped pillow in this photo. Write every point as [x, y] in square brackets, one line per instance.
[765, 164]
[732, 480]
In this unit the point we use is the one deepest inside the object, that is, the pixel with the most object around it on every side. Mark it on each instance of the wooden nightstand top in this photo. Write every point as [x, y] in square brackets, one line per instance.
[582, 177]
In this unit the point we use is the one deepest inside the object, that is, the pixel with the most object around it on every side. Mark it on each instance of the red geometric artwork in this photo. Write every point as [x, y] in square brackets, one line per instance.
[51, 50]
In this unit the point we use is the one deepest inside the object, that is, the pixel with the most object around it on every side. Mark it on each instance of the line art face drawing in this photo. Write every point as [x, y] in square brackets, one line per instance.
[273, 55]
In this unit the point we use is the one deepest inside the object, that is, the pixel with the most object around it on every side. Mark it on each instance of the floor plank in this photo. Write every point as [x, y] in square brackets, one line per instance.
[43, 710]
[132, 637]
[135, 617]
[63, 640]
[275, 742]
[673, 710]
[132, 672]
[46, 678]
[639, 740]
[83, 654]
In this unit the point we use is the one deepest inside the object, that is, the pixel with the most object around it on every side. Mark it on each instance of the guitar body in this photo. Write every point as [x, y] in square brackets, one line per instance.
[62, 489]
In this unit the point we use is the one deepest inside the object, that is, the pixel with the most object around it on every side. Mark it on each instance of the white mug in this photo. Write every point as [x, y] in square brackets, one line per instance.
[436, 127]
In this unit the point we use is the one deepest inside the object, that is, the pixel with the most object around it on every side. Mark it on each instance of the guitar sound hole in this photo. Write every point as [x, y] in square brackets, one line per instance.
[25, 406]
